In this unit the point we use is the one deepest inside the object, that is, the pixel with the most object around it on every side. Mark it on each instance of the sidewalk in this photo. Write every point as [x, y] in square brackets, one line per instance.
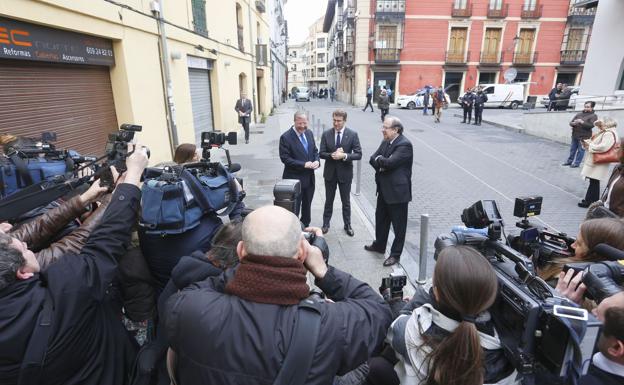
[261, 168]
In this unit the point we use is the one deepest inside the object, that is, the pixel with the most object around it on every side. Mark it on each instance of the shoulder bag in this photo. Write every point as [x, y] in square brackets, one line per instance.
[612, 155]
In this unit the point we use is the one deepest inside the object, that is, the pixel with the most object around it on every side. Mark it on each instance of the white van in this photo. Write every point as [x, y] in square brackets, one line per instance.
[504, 95]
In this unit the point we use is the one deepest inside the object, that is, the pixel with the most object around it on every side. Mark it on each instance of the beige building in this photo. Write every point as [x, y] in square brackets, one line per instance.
[82, 68]
[315, 59]
[296, 64]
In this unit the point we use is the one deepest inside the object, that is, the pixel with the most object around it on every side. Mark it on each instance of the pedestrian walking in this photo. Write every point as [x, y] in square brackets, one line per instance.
[582, 125]
[467, 103]
[340, 146]
[439, 100]
[479, 103]
[332, 94]
[383, 104]
[426, 100]
[393, 174]
[369, 98]
[552, 97]
[244, 107]
[601, 142]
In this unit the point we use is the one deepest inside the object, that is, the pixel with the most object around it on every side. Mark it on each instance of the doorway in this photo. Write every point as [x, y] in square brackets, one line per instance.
[452, 84]
[384, 79]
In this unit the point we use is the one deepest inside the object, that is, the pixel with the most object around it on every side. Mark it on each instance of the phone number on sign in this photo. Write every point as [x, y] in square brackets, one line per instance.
[99, 51]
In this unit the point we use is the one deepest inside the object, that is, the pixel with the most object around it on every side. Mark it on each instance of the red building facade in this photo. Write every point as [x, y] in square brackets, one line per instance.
[462, 43]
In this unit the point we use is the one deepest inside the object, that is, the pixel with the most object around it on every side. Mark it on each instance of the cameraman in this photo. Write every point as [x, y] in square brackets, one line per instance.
[239, 329]
[58, 326]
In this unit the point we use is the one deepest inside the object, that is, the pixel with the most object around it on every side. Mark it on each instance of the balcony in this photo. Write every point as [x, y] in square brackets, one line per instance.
[498, 13]
[348, 58]
[387, 55]
[534, 13]
[457, 57]
[583, 16]
[462, 12]
[490, 58]
[350, 10]
[339, 63]
[339, 23]
[524, 58]
[260, 6]
[573, 57]
[241, 46]
[390, 9]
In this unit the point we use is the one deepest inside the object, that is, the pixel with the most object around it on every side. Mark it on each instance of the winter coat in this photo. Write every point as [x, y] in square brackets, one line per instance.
[600, 142]
[614, 193]
[384, 102]
[584, 130]
[88, 343]
[223, 339]
[406, 339]
[602, 372]
[439, 100]
[468, 100]
[480, 99]
[563, 99]
[38, 232]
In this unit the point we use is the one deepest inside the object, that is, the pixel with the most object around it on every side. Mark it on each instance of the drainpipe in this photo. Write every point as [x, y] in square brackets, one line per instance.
[156, 7]
[254, 80]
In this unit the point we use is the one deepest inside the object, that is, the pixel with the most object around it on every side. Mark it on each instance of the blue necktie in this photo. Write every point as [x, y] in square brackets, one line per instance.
[338, 140]
[304, 142]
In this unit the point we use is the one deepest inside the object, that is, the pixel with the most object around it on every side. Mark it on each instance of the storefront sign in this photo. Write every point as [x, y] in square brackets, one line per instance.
[25, 41]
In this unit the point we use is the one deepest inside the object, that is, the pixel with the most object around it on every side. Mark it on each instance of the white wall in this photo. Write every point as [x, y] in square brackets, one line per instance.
[603, 66]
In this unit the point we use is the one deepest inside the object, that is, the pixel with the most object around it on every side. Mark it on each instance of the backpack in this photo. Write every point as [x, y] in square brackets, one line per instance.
[17, 173]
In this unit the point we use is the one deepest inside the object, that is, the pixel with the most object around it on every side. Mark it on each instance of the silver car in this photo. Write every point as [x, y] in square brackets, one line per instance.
[302, 94]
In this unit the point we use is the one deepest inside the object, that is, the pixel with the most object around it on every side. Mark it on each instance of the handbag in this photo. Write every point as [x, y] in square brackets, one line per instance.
[612, 155]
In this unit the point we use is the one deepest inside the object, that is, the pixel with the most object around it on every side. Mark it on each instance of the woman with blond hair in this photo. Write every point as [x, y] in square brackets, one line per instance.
[598, 143]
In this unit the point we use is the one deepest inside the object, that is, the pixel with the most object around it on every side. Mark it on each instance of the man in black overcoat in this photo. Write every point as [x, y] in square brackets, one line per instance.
[393, 174]
[244, 108]
[340, 146]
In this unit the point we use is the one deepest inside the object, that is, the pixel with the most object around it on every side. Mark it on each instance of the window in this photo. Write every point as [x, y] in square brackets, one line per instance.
[321, 72]
[294, 67]
[320, 43]
[529, 5]
[320, 58]
[461, 4]
[387, 36]
[522, 77]
[199, 17]
[496, 4]
[487, 77]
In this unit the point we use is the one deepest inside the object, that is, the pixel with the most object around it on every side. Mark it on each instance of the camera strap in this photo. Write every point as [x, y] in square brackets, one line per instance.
[298, 361]
[23, 176]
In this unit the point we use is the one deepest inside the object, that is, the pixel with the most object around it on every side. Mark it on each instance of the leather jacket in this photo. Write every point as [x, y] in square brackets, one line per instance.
[39, 231]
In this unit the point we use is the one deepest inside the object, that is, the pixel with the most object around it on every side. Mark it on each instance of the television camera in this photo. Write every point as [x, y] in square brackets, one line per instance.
[542, 333]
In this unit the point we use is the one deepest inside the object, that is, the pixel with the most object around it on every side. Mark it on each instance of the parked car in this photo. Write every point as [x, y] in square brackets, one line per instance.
[303, 94]
[415, 100]
[503, 95]
[575, 91]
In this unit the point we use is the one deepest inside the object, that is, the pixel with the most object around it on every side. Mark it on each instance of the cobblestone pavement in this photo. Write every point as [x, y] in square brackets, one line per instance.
[456, 165]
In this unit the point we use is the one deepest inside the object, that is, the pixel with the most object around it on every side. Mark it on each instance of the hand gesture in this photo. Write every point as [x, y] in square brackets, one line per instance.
[314, 257]
[570, 286]
[93, 193]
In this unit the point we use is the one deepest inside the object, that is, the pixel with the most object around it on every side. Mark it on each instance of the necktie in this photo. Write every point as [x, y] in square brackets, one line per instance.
[304, 142]
[338, 140]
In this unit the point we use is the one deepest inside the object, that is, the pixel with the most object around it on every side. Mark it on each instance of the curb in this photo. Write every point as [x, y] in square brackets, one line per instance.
[507, 127]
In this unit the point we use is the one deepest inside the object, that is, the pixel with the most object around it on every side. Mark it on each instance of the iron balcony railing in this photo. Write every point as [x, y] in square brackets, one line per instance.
[350, 10]
[457, 57]
[488, 57]
[534, 13]
[465, 11]
[524, 58]
[573, 56]
[387, 55]
[501, 13]
[390, 9]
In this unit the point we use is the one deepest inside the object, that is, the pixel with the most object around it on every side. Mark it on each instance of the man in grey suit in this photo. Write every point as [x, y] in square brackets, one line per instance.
[340, 146]
[244, 108]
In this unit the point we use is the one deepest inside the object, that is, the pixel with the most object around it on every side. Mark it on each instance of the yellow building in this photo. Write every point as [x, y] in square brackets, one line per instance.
[82, 68]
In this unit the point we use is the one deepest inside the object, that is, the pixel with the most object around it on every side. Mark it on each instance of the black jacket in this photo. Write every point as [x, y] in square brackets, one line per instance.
[480, 99]
[597, 376]
[87, 344]
[468, 100]
[393, 170]
[294, 157]
[341, 169]
[222, 339]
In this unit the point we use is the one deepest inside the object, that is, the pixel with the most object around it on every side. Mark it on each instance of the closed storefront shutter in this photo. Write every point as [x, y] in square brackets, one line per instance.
[74, 101]
[201, 100]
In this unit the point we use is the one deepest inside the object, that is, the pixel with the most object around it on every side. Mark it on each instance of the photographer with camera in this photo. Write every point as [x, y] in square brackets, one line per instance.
[59, 326]
[238, 328]
[447, 336]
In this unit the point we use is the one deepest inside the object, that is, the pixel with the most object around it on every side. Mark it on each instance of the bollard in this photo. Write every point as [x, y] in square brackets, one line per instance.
[323, 130]
[358, 178]
[424, 236]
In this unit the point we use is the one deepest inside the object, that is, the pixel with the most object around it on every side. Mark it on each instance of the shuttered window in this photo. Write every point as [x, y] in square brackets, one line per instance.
[76, 102]
[201, 101]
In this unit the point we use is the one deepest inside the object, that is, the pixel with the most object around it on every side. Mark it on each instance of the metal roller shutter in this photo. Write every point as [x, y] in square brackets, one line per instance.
[201, 100]
[76, 102]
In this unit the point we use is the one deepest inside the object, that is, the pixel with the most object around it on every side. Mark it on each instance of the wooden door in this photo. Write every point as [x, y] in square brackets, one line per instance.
[490, 45]
[525, 46]
[457, 44]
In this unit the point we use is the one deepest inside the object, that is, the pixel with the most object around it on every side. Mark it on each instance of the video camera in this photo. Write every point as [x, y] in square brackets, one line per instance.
[602, 279]
[542, 333]
[392, 286]
[534, 241]
[116, 152]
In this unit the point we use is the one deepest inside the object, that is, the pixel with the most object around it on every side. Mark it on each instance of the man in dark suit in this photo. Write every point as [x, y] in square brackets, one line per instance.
[244, 108]
[300, 156]
[340, 146]
[393, 174]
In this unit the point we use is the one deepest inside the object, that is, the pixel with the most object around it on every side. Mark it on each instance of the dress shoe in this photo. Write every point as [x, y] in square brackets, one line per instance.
[325, 229]
[246, 141]
[463, 121]
[566, 164]
[391, 260]
[374, 248]
[349, 230]
[574, 166]
[583, 204]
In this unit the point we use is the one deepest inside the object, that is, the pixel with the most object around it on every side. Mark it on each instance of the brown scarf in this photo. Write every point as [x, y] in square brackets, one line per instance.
[273, 280]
